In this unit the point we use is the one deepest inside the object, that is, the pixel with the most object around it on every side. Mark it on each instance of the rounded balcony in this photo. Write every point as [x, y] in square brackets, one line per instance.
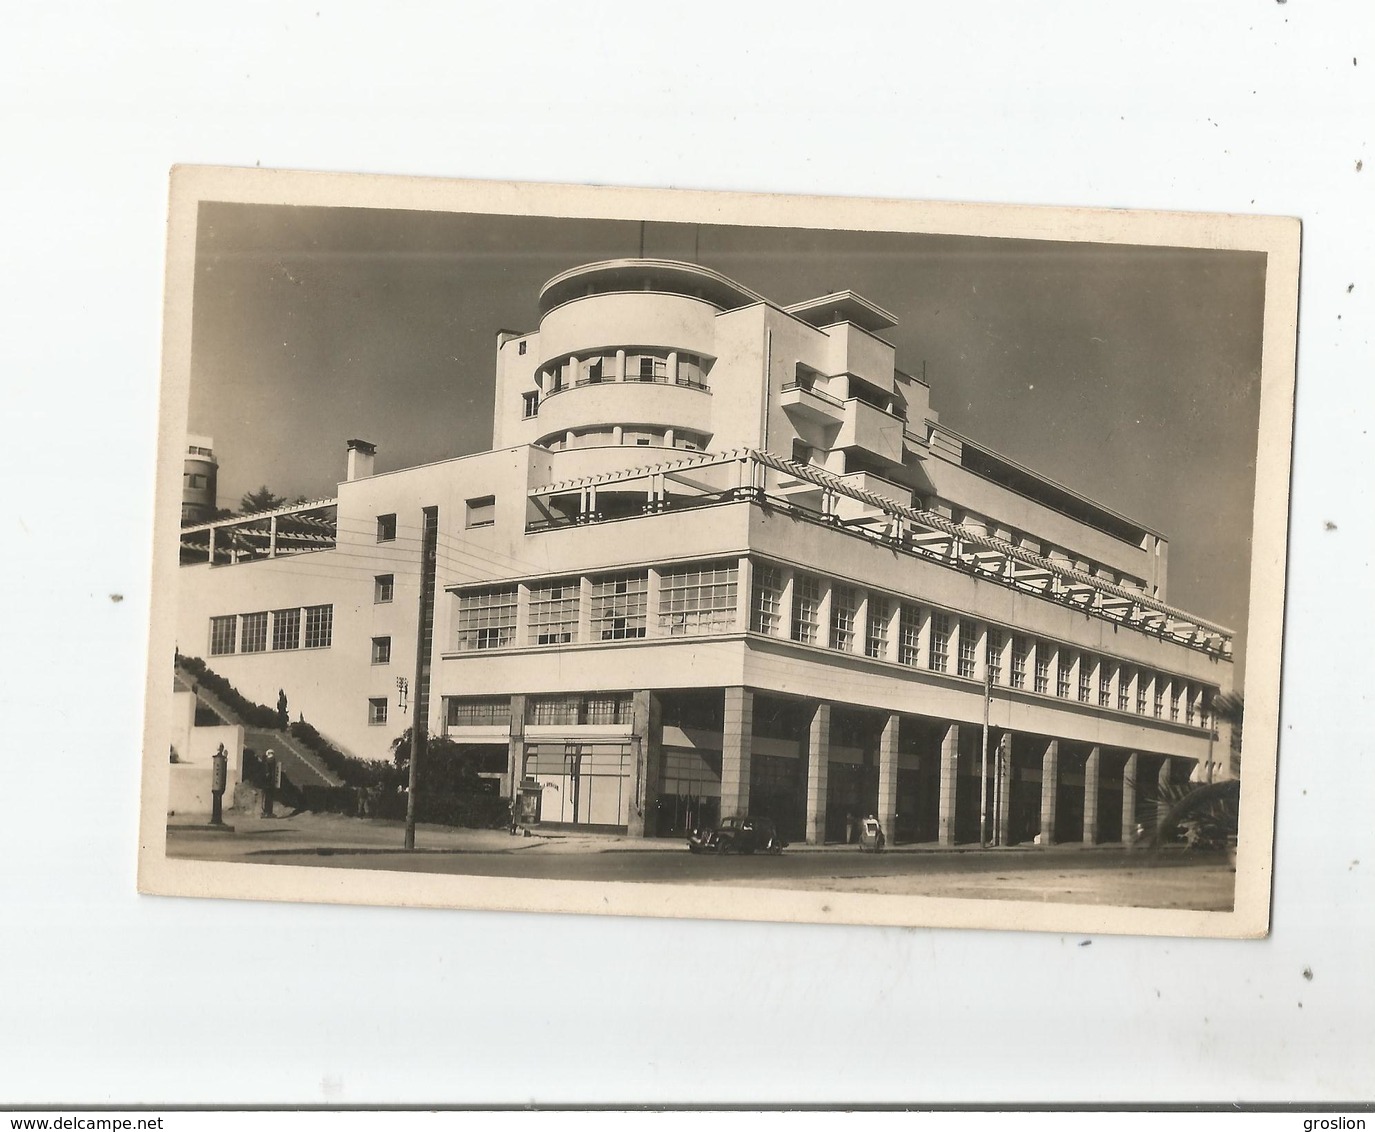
[611, 402]
[604, 322]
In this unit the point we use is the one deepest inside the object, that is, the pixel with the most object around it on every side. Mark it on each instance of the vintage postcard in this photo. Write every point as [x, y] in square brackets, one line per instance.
[666, 553]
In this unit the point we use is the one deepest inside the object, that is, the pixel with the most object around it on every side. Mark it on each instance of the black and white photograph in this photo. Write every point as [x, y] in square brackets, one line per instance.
[707, 555]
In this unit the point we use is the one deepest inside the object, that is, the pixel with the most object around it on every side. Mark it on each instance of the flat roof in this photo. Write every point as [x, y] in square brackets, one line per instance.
[844, 306]
[674, 276]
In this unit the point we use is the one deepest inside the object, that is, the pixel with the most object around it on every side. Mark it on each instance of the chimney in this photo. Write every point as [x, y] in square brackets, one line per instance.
[361, 454]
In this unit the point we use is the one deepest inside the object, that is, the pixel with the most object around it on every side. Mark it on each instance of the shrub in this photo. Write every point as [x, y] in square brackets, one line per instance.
[354, 771]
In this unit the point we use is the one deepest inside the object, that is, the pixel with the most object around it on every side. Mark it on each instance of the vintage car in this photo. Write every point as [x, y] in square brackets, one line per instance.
[738, 835]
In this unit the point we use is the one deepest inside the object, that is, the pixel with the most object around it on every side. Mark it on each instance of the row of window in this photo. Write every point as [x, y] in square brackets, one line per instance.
[943, 642]
[813, 610]
[645, 436]
[691, 600]
[310, 627]
[589, 708]
[656, 366]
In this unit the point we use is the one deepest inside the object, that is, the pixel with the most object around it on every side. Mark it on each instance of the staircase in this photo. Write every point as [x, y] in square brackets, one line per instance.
[300, 765]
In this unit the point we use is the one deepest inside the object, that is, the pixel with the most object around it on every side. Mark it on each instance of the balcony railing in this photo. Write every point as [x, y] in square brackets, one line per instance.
[797, 385]
[681, 382]
[753, 476]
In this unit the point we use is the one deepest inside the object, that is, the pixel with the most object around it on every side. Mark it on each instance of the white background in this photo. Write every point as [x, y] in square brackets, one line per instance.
[106, 996]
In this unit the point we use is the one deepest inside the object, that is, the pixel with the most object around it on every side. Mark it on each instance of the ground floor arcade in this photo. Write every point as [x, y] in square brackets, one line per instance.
[660, 763]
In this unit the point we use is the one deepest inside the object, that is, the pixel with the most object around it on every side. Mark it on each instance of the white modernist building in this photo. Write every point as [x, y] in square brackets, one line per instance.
[724, 558]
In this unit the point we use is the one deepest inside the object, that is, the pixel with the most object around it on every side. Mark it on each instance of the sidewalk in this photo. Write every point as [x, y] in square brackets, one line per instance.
[317, 833]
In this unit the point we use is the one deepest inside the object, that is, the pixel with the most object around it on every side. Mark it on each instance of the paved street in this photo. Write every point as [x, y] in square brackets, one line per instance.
[1062, 874]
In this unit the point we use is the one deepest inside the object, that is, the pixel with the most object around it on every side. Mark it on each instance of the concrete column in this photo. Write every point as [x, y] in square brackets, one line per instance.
[671, 370]
[949, 763]
[785, 606]
[861, 633]
[653, 627]
[1129, 798]
[1091, 768]
[1002, 764]
[647, 734]
[894, 631]
[888, 777]
[620, 365]
[1162, 781]
[515, 752]
[823, 616]
[1050, 780]
[584, 609]
[818, 765]
[617, 434]
[744, 586]
[669, 436]
[522, 615]
[735, 752]
[272, 537]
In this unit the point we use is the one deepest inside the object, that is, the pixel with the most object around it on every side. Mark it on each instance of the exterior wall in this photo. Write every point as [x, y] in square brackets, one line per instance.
[962, 488]
[754, 351]
[856, 351]
[189, 779]
[515, 375]
[331, 687]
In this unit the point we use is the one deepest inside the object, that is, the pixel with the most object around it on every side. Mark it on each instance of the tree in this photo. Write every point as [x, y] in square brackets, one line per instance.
[262, 499]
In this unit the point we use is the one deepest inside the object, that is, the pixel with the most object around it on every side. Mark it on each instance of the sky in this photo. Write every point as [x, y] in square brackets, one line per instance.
[1131, 374]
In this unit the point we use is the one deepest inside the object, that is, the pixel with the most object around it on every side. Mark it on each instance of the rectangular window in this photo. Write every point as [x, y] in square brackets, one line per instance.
[286, 629]
[653, 369]
[1042, 668]
[1123, 688]
[554, 612]
[806, 608]
[319, 626]
[909, 635]
[386, 528]
[607, 708]
[844, 606]
[529, 405]
[383, 588]
[487, 619]
[994, 655]
[698, 599]
[381, 650]
[482, 511]
[222, 633]
[766, 608]
[1104, 684]
[1158, 705]
[1020, 648]
[1140, 693]
[939, 659]
[1085, 678]
[377, 712]
[969, 647]
[520, 346]
[475, 712]
[253, 637]
[1175, 696]
[1062, 674]
[1188, 707]
[876, 632]
[619, 606]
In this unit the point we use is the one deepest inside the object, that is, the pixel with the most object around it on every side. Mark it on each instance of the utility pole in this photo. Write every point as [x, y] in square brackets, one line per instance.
[983, 762]
[424, 629]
